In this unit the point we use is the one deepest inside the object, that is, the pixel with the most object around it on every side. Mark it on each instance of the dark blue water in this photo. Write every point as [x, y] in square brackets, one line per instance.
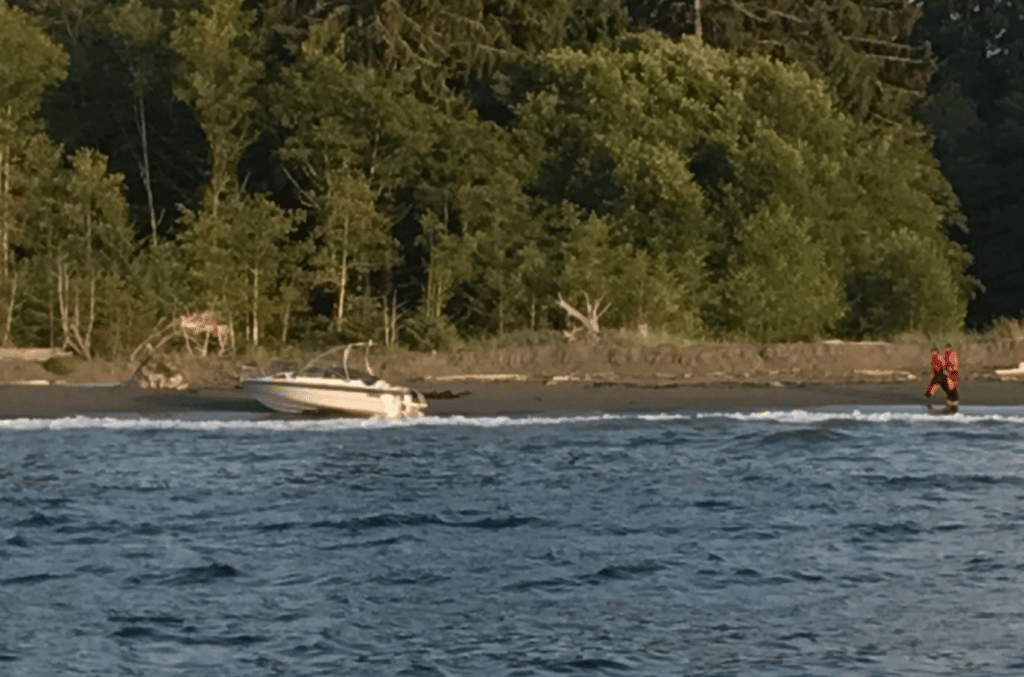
[796, 543]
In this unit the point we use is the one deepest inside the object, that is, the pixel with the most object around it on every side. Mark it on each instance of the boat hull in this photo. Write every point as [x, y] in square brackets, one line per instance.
[292, 394]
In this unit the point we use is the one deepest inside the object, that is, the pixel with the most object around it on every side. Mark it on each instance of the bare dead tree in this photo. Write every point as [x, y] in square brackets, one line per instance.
[589, 320]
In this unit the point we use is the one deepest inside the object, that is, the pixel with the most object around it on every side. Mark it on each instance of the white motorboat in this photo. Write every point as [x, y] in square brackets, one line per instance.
[315, 389]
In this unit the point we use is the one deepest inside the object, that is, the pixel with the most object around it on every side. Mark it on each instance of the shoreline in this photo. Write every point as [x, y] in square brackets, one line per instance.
[453, 397]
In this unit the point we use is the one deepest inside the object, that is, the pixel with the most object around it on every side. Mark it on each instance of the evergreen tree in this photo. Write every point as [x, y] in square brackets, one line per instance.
[863, 49]
[975, 110]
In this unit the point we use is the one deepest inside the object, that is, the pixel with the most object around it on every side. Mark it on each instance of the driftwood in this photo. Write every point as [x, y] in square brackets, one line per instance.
[160, 335]
[150, 368]
[158, 375]
[589, 321]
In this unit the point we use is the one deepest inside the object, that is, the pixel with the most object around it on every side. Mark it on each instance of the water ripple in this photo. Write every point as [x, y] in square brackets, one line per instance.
[697, 543]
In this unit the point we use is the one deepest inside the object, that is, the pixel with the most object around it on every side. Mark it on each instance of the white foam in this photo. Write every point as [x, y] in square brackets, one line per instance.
[794, 416]
[809, 417]
[289, 425]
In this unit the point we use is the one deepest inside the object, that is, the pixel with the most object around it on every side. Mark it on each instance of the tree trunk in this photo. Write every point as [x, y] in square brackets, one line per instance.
[8, 322]
[285, 319]
[146, 178]
[62, 304]
[8, 281]
[698, 28]
[87, 344]
[501, 306]
[437, 282]
[255, 307]
[390, 308]
[6, 203]
[342, 282]
[69, 308]
[85, 341]
[342, 279]
[83, 335]
[6, 213]
[50, 316]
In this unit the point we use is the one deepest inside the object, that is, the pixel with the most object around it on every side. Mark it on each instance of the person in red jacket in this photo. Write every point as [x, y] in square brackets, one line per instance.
[945, 375]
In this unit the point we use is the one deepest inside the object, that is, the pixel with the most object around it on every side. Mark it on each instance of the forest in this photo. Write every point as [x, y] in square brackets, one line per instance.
[427, 172]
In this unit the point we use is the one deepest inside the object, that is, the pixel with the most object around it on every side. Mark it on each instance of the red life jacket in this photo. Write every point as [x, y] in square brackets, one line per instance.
[937, 363]
[952, 361]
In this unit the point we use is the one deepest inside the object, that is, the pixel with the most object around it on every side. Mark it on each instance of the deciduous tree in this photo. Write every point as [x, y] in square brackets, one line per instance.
[31, 63]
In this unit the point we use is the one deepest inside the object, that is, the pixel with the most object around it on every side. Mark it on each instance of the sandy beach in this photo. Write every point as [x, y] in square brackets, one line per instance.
[454, 398]
[555, 378]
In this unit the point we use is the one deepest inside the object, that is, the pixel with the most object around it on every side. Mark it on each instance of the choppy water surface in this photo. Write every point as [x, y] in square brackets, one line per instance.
[789, 543]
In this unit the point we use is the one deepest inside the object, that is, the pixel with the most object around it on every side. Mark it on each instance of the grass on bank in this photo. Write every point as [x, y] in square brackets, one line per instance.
[1004, 329]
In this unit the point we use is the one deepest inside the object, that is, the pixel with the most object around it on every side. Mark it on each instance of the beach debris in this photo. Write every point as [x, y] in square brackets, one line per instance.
[886, 374]
[445, 395]
[160, 376]
[589, 321]
[32, 354]
[491, 378]
[562, 378]
[1012, 373]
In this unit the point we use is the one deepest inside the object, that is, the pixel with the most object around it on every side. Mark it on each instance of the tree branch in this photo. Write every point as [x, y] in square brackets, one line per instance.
[590, 321]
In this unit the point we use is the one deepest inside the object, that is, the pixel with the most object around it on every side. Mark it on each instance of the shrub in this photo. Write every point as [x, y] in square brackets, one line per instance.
[63, 365]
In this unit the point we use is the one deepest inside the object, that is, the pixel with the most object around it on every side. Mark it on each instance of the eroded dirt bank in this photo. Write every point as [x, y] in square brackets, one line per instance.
[823, 362]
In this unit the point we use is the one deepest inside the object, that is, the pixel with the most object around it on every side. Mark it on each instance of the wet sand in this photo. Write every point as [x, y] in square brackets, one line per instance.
[451, 398]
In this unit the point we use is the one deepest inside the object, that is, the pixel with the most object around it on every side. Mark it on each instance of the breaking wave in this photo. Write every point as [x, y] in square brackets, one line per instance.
[905, 414]
[975, 415]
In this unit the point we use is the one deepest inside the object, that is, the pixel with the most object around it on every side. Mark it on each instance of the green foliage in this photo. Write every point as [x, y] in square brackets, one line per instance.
[32, 62]
[140, 24]
[79, 248]
[63, 365]
[591, 264]
[778, 283]
[235, 256]
[351, 235]
[637, 286]
[461, 165]
[217, 78]
[975, 110]
[909, 286]
[422, 332]
[739, 171]
[863, 50]
[155, 289]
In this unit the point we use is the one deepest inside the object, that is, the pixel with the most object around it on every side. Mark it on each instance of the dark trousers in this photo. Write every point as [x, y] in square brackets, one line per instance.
[940, 379]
